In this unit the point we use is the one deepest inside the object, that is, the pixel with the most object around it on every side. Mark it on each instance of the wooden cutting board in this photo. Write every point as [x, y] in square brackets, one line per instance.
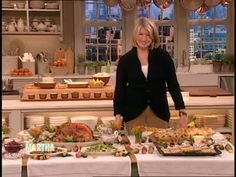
[206, 91]
[70, 62]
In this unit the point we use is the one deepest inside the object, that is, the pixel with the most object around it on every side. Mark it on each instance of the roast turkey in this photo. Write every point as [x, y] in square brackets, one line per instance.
[73, 132]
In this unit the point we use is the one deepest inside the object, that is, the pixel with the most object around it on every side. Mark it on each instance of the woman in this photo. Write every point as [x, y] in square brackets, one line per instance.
[141, 79]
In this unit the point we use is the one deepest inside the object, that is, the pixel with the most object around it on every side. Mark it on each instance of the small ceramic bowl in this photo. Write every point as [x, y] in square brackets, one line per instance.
[43, 96]
[109, 94]
[86, 95]
[53, 95]
[75, 94]
[31, 96]
[64, 95]
[97, 94]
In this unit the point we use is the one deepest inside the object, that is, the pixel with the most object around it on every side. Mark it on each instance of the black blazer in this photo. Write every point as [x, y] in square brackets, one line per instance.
[134, 92]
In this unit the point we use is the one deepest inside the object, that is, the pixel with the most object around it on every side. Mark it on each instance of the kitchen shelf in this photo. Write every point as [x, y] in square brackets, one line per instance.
[27, 14]
[31, 33]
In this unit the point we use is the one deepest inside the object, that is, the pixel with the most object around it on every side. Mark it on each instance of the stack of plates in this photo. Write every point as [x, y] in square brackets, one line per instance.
[34, 120]
[57, 120]
[214, 121]
[230, 118]
[173, 121]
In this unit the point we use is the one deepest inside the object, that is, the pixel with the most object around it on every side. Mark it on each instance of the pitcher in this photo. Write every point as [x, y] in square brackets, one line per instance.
[20, 25]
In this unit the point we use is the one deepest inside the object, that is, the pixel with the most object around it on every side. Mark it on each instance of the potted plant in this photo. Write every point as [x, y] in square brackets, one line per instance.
[228, 63]
[217, 62]
[90, 65]
[98, 66]
[81, 64]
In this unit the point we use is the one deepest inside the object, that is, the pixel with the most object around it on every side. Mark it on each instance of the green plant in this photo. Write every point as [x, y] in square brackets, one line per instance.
[218, 57]
[90, 63]
[228, 59]
[81, 58]
[100, 63]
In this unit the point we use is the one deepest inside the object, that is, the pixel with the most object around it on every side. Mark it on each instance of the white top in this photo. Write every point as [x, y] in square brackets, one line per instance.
[145, 70]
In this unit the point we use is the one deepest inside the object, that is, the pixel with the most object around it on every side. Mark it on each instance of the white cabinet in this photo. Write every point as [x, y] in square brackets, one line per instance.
[45, 20]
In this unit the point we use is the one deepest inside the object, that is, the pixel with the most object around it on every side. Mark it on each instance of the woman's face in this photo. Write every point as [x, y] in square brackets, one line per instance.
[144, 39]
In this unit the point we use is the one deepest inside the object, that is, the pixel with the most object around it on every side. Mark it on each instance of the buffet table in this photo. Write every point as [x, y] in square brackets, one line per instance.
[158, 165]
[11, 168]
[109, 165]
[101, 165]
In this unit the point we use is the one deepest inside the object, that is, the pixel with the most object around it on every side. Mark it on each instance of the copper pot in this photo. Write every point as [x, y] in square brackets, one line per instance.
[212, 3]
[145, 3]
[225, 2]
[191, 4]
[202, 9]
[163, 4]
[111, 3]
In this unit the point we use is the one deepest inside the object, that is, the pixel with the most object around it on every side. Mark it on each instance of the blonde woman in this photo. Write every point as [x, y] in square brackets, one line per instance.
[141, 79]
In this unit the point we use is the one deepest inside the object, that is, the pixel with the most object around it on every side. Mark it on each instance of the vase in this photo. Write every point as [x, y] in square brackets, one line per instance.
[81, 68]
[91, 70]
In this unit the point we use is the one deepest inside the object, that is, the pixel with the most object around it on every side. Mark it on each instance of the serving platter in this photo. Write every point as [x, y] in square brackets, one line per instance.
[70, 145]
[59, 150]
[192, 153]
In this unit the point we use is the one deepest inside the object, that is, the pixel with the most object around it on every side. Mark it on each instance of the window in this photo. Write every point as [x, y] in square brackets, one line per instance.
[164, 21]
[207, 32]
[103, 31]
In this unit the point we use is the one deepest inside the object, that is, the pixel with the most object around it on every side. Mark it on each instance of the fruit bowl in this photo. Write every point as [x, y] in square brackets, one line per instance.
[13, 146]
[105, 77]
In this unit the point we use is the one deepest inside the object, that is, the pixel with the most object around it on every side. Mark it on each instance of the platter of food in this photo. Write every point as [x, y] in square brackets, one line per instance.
[70, 145]
[101, 149]
[188, 151]
[57, 151]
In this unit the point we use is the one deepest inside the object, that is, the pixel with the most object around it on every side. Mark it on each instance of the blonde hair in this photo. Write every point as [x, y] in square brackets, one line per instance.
[148, 25]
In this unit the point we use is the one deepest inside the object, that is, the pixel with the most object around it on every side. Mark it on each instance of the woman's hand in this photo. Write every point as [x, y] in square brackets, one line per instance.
[118, 122]
[183, 122]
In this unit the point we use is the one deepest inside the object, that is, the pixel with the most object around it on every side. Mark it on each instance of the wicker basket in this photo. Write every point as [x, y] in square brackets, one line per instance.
[59, 71]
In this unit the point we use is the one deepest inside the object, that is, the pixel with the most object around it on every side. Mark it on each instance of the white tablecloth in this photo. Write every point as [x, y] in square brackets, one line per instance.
[102, 165]
[158, 165]
[11, 168]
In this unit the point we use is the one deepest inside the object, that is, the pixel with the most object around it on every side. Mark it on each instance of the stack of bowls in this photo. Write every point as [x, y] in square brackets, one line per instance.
[34, 120]
[57, 120]
[91, 121]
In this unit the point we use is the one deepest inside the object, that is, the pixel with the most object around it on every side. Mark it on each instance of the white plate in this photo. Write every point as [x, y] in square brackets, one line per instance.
[100, 153]
[70, 145]
[62, 150]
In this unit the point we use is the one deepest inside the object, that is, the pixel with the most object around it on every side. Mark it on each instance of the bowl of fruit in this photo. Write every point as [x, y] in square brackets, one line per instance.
[105, 77]
[13, 146]
[96, 83]
[59, 68]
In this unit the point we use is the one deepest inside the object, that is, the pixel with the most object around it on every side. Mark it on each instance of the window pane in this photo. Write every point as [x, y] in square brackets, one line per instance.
[166, 33]
[115, 13]
[221, 12]
[91, 11]
[221, 33]
[218, 12]
[103, 42]
[168, 13]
